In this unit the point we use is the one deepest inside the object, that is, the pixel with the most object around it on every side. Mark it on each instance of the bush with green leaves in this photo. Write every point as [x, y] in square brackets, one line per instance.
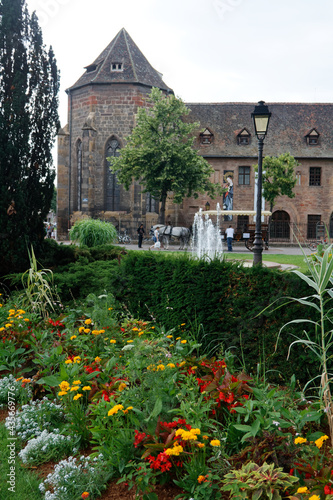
[253, 482]
[93, 232]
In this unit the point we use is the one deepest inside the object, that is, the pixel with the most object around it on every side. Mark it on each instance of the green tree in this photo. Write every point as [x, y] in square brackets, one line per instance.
[278, 177]
[29, 84]
[160, 153]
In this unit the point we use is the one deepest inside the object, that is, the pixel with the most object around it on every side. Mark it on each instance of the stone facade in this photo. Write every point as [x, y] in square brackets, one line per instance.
[102, 106]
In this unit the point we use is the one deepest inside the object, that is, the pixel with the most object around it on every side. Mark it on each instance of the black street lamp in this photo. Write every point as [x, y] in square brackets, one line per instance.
[207, 206]
[260, 117]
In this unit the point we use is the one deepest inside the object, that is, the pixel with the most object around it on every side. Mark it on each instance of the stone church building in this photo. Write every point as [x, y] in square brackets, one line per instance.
[102, 105]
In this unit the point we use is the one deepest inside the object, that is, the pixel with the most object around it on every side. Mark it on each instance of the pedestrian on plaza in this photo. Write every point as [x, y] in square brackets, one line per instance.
[157, 243]
[141, 232]
[230, 235]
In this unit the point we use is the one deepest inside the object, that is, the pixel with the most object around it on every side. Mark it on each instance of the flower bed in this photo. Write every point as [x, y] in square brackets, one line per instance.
[153, 411]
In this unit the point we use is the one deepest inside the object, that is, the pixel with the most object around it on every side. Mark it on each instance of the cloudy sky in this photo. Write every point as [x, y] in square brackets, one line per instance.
[207, 50]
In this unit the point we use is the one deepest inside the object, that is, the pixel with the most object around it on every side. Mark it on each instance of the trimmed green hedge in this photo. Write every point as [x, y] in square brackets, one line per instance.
[228, 300]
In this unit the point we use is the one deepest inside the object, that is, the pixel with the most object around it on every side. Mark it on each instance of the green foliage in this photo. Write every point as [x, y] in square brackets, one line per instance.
[160, 154]
[279, 177]
[320, 337]
[224, 297]
[29, 84]
[39, 294]
[92, 232]
[252, 482]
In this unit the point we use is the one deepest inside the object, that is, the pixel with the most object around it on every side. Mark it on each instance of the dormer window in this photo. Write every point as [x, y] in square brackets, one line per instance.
[312, 138]
[243, 137]
[116, 66]
[206, 137]
[91, 68]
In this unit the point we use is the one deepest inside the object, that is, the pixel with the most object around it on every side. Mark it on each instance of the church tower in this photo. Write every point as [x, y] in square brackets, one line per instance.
[102, 105]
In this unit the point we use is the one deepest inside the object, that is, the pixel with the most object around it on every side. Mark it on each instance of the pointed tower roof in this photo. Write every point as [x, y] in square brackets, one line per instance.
[121, 62]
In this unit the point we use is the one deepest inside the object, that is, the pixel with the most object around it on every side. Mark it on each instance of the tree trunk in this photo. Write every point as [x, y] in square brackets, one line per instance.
[161, 218]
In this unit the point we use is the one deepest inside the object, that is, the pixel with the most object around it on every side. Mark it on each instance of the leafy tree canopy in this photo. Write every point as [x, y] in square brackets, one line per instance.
[278, 177]
[160, 154]
[29, 84]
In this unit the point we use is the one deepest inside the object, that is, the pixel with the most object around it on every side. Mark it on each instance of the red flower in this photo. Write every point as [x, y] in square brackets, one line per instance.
[139, 436]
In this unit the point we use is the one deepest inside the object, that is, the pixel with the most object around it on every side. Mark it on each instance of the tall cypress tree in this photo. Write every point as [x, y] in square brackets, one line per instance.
[29, 85]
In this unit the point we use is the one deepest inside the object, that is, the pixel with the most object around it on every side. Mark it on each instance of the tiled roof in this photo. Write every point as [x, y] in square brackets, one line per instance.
[288, 126]
[135, 67]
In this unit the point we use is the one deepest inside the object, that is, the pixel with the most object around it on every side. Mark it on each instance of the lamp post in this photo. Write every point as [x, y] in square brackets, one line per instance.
[207, 206]
[260, 117]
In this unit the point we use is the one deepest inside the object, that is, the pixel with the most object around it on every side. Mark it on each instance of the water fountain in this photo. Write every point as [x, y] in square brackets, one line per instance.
[206, 240]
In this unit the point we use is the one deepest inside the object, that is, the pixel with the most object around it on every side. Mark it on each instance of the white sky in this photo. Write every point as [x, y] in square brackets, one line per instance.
[207, 50]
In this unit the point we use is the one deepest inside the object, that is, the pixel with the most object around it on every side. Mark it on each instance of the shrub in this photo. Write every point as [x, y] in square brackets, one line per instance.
[91, 232]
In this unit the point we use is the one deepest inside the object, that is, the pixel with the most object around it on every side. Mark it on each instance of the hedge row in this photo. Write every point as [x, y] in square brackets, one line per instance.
[230, 302]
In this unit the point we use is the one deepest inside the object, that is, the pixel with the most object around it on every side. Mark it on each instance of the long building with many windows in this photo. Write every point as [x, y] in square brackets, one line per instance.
[102, 106]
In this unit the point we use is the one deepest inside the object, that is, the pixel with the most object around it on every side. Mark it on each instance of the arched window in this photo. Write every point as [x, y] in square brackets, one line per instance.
[112, 198]
[79, 174]
[151, 203]
[280, 225]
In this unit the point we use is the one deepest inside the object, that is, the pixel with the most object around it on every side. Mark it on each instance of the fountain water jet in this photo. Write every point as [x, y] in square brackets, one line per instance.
[206, 240]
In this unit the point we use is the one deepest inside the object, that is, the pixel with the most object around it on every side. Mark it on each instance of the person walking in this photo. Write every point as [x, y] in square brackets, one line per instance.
[157, 243]
[230, 235]
[141, 232]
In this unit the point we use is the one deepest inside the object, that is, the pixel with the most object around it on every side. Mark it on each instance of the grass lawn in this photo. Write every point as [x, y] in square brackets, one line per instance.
[293, 260]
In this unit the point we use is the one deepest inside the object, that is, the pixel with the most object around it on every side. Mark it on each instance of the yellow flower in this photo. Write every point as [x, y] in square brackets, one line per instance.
[75, 388]
[215, 442]
[190, 435]
[2, 328]
[204, 437]
[110, 308]
[77, 382]
[81, 329]
[113, 341]
[95, 332]
[201, 445]
[115, 410]
[129, 408]
[151, 367]
[299, 440]
[78, 396]
[183, 341]
[64, 385]
[183, 324]
[160, 367]
[201, 479]
[97, 359]
[175, 451]
[140, 333]
[122, 386]
[18, 379]
[178, 338]
[135, 329]
[26, 319]
[87, 321]
[182, 363]
[73, 337]
[62, 393]
[86, 330]
[102, 331]
[315, 497]
[86, 388]
[169, 336]
[129, 341]
[303, 489]
[76, 359]
[68, 361]
[171, 365]
[8, 325]
[319, 442]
